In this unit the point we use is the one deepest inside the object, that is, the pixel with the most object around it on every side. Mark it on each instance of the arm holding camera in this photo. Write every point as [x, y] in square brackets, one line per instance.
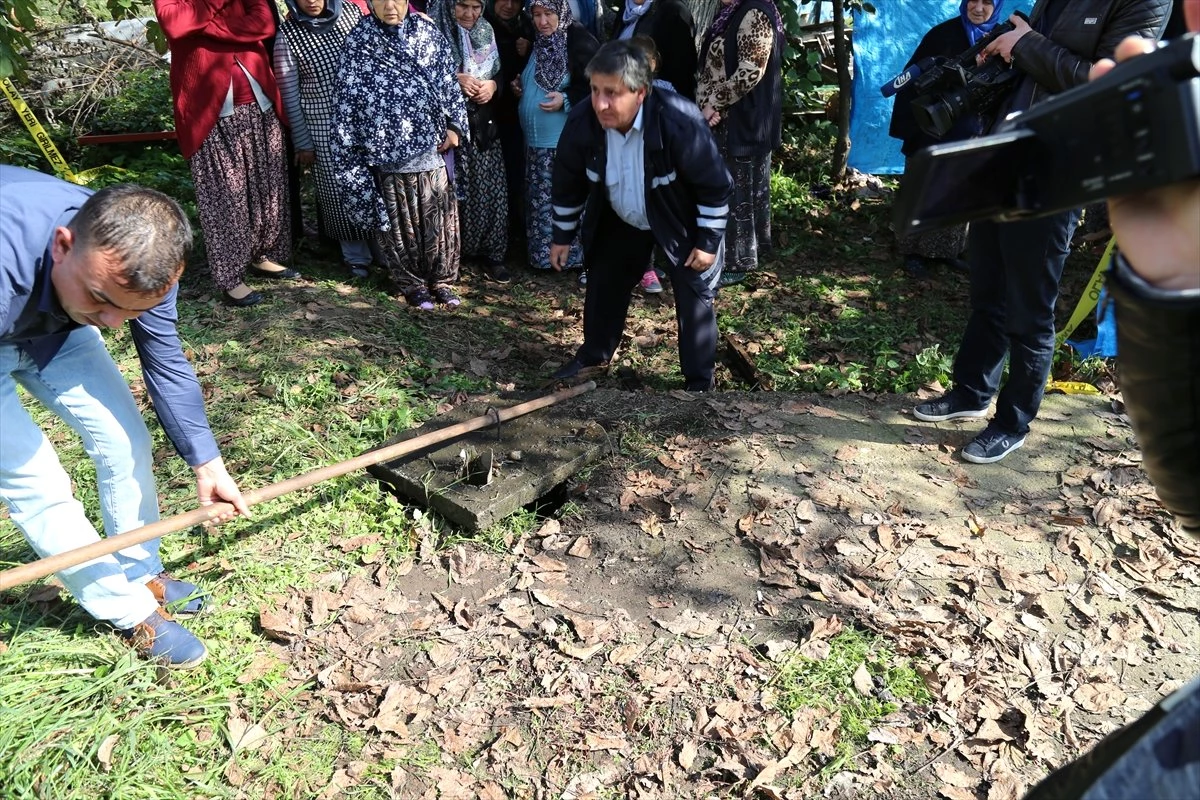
[1055, 65]
[1155, 283]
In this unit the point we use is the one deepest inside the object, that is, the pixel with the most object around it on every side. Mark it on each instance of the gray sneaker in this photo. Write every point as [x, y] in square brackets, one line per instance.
[948, 406]
[991, 446]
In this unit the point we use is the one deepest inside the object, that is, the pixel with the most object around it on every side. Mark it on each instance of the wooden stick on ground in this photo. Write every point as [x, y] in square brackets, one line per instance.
[51, 564]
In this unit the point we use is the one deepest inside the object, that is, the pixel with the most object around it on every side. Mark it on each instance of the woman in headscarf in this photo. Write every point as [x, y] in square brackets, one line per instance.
[306, 60]
[975, 19]
[589, 14]
[397, 110]
[552, 82]
[479, 163]
[514, 38]
[669, 24]
[227, 119]
[740, 93]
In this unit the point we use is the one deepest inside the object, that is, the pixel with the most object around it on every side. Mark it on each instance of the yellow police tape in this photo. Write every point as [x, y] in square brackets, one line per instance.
[1091, 295]
[38, 132]
[1087, 302]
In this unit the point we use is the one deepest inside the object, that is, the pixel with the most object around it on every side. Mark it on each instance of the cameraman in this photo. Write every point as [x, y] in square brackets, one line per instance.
[1015, 267]
[1155, 283]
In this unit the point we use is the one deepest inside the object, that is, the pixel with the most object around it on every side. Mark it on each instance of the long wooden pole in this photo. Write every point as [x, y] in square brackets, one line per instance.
[60, 561]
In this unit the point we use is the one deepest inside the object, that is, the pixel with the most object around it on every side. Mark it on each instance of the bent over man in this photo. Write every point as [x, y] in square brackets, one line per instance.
[71, 262]
[647, 169]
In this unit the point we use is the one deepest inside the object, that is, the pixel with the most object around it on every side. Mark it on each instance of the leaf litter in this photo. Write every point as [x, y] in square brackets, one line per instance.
[1021, 612]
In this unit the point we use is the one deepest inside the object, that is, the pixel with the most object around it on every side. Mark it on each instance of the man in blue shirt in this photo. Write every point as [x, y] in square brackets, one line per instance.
[70, 262]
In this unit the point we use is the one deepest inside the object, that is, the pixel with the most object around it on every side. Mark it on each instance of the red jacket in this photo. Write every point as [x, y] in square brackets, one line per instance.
[205, 37]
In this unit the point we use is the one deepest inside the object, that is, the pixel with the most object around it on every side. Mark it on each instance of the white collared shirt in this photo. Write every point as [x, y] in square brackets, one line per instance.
[625, 174]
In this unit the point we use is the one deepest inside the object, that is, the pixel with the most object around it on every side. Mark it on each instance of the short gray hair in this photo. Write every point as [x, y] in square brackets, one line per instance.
[624, 59]
[146, 230]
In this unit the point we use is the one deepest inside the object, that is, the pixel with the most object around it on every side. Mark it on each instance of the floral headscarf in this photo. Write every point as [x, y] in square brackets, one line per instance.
[396, 93]
[474, 50]
[551, 51]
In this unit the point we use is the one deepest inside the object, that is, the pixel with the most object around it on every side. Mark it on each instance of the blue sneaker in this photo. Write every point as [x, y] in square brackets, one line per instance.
[991, 446]
[162, 639]
[176, 596]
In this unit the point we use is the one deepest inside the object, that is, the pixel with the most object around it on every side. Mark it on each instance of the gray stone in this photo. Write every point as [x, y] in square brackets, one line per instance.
[474, 481]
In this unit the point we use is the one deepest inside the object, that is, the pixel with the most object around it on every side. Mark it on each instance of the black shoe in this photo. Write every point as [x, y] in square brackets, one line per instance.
[948, 406]
[496, 271]
[699, 386]
[358, 271]
[252, 299]
[285, 274]
[569, 369]
[991, 446]
[731, 278]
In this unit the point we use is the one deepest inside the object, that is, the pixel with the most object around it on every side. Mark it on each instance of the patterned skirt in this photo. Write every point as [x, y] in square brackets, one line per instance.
[483, 196]
[422, 247]
[942, 243]
[242, 195]
[539, 163]
[748, 230]
[333, 216]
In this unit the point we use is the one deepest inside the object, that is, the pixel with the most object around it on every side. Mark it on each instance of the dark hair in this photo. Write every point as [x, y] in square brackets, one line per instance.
[650, 49]
[624, 59]
[144, 228]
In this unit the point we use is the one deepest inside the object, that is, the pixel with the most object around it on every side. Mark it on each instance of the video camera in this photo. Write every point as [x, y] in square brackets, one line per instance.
[947, 88]
[1136, 128]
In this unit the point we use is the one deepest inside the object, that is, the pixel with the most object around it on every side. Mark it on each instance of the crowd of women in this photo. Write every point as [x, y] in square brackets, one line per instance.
[431, 136]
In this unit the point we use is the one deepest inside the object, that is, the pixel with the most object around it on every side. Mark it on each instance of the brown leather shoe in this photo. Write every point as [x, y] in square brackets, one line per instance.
[178, 597]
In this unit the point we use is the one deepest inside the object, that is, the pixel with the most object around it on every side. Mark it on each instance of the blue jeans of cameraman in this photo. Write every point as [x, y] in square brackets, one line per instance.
[1015, 271]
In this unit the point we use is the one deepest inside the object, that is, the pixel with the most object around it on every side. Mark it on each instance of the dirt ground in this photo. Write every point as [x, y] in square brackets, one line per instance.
[636, 648]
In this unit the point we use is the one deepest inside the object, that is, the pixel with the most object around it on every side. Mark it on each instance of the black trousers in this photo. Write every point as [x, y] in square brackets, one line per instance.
[615, 262]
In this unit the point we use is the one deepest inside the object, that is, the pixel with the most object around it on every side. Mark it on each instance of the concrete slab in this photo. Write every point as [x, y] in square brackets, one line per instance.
[525, 458]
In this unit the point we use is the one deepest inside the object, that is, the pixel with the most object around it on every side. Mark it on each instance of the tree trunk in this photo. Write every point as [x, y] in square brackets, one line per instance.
[841, 56]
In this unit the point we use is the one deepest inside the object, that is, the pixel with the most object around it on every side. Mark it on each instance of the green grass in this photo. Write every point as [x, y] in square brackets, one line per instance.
[802, 682]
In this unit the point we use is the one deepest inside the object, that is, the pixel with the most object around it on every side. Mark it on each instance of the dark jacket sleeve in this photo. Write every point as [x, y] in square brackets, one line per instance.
[581, 46]
[569, 182]
[1158, 346]
[172, 384]
[674, 35]
[1058, 66]
[694, 153]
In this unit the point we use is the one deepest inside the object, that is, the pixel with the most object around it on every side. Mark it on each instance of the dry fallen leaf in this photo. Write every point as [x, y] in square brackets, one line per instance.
[952, 776]
[582, 653]
[581, 548]
[596, 741]
[242, 734]
[862, 681]
[104, 754]
[687, 754]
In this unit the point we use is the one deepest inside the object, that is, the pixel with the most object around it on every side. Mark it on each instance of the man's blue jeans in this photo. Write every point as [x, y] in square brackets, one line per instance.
[84, 388]
[1015, 270]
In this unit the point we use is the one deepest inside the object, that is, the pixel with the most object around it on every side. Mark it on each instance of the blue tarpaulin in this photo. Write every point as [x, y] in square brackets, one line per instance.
[883, 41]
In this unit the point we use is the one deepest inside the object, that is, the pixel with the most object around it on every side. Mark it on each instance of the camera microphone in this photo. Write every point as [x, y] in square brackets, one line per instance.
[908, 76]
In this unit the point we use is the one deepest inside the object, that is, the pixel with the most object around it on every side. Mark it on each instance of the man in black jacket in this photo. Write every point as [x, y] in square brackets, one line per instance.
[1016, 266]
[647, 170]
